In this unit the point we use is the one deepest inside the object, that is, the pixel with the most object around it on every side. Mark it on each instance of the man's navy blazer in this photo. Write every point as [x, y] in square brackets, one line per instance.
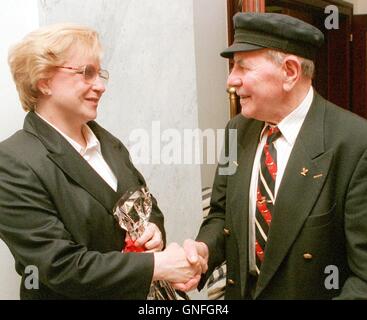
[317, 242]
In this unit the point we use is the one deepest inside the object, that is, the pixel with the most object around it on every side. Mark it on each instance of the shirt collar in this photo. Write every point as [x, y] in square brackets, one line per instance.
[292, 123]
[89, 136]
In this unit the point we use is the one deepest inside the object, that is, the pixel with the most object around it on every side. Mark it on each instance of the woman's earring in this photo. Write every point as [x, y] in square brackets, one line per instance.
[46, 92]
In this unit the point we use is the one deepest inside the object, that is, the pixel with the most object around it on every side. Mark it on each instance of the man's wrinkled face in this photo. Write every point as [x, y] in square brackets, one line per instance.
[258, 83]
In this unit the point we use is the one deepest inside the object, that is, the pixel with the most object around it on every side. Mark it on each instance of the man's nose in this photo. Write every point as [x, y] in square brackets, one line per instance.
[234, 80]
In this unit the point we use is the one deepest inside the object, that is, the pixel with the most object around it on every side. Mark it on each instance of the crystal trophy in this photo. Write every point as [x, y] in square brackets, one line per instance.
[132, 211]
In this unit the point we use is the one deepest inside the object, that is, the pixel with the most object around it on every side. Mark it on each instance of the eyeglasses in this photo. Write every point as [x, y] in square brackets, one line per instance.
[89, 73]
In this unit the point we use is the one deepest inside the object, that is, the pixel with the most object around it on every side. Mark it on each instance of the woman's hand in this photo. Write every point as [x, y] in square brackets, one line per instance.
[151, 239]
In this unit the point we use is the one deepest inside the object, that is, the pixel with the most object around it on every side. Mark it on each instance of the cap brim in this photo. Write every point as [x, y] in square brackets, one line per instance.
[238, 47]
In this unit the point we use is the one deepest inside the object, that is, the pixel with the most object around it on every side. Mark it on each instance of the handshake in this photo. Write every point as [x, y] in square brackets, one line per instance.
[181, 266]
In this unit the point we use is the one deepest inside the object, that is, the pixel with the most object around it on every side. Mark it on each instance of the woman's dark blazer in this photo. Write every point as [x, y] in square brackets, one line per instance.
[56, 213]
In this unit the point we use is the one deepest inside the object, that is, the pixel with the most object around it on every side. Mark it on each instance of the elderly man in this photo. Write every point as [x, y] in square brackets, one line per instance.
[291, 222]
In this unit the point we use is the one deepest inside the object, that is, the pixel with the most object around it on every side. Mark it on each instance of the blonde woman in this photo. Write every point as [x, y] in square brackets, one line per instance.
[61, 175]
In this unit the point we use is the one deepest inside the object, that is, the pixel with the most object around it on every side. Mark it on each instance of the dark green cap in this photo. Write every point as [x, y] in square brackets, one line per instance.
[254, 31]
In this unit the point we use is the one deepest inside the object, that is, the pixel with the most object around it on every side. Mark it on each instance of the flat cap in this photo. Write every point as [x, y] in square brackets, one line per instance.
[254, 31]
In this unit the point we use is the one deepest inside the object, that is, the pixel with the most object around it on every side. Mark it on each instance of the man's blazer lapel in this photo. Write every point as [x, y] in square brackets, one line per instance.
[71, 162]
[238, 198]
[304, 176]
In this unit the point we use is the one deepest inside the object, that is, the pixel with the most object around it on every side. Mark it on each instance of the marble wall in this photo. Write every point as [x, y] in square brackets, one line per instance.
[210, 30]
[149, 51]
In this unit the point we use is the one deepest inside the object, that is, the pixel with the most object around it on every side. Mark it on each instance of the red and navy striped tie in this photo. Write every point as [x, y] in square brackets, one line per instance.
[265, 193]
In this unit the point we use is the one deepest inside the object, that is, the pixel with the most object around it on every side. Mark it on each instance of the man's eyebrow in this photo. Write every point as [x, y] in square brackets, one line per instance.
[240, 61]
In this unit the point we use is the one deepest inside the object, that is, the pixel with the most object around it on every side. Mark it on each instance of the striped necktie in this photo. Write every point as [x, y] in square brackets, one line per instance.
[265, 194]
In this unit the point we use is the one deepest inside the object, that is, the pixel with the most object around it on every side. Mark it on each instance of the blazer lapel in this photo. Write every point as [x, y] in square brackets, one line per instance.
[111, 150]
[302, 182]
[117, 157]
[238, 198]
[71, 162]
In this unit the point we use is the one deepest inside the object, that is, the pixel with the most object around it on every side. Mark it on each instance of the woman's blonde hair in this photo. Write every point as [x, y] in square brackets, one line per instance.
[37, 55]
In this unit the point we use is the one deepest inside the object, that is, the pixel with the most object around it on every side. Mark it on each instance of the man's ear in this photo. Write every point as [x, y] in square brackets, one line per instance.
[43, 87]
[292, 69]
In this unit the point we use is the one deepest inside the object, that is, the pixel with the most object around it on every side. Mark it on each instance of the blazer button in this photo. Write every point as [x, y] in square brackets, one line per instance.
[307, 256]
[226, 232]
[231, 282]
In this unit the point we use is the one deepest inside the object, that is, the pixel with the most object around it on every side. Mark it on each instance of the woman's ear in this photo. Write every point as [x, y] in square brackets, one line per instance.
[292, 70]
[43, 87]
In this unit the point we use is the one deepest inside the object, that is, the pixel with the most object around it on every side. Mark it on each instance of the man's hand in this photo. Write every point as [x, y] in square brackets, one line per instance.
[197, 254]
[172, 265]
